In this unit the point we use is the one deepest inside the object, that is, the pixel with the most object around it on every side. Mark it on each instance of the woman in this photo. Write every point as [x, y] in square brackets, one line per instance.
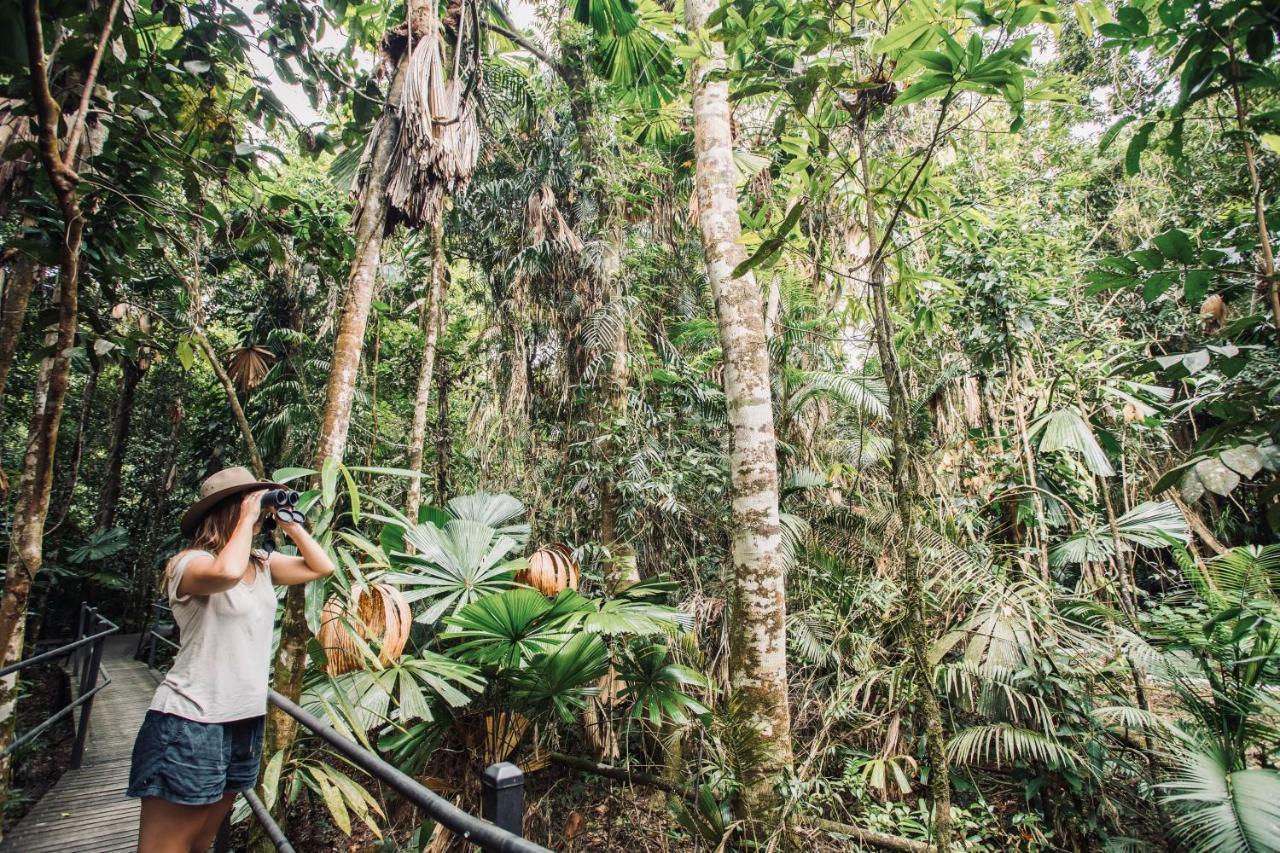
[201, 741]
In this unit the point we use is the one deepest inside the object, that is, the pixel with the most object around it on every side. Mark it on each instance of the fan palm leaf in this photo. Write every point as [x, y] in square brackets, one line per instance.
[565, 678]
[1220, 811]
[453, 565]
[1065, 429]
[510, 629]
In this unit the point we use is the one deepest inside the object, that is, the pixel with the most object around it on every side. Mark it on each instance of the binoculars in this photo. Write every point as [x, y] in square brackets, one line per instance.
[285, 503]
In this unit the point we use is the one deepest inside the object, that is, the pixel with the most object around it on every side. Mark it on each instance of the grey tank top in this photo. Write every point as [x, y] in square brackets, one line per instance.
[223, 665]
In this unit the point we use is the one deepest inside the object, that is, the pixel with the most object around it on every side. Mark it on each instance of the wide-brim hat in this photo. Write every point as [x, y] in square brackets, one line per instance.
[216, 487]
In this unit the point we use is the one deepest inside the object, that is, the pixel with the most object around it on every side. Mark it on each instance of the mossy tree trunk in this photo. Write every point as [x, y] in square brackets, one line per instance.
[757, 615]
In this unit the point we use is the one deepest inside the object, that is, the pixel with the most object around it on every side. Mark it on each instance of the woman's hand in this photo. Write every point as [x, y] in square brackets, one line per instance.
[251, 507]
[292, 529]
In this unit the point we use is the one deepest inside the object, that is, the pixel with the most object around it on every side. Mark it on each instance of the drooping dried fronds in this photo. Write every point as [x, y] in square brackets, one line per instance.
[439, 139]
[248, 365]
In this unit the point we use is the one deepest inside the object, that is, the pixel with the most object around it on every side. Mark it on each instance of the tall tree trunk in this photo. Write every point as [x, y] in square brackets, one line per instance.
[1270, 281]
[32, 504]
[904, 488]
[233, 401]
[373, 390]
[370, 228]
[131, 375]
[429, 318]
[615, 403]
[757, 617]
[145, 580]
[852, 272]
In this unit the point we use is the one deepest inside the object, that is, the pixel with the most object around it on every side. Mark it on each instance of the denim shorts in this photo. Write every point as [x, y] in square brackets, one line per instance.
[191, 763]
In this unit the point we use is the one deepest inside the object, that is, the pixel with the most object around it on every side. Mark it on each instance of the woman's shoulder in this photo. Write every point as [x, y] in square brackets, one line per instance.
[186, 555]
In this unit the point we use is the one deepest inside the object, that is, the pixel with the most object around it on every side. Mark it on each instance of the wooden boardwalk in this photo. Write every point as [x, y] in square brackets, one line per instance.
[87, 811]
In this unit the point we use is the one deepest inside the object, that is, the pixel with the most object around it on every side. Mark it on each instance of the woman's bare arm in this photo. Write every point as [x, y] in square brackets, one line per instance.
[311, 563]
[207, 574]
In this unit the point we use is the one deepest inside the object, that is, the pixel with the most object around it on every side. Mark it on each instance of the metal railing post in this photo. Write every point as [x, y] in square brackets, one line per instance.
[151, 650]
[78, 656]
[88, 682]
[503, 797]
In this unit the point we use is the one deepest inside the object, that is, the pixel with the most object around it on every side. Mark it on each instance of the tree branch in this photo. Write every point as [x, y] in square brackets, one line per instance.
[524, 43]
[47, 114]
[78, 123]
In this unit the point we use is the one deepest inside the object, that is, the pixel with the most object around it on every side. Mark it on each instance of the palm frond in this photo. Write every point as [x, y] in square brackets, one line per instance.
[1065, 429]
[1224, 811]
[1001, 744]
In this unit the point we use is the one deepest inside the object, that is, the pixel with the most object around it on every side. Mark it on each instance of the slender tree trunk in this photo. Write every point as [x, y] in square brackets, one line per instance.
[429, 318]
[145, 580]
[370, 228]
[233, 401]
[373, 389]
[757, 617]
[904, 488]
[1029, 463]
[32, 504]
[18, 285]
[130, 376]
[856, 336]
[444, 438]
[194, 296]
[615, 406]
[1270, 280]
[87, 396]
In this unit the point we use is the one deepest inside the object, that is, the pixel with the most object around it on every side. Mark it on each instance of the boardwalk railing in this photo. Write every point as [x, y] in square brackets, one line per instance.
[502, 784]
[86, 653]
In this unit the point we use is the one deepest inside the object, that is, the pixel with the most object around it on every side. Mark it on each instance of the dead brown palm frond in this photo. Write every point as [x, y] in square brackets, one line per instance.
[439, 140]
[248, 365]
[503, 732]
[377, 612]
[544, 221]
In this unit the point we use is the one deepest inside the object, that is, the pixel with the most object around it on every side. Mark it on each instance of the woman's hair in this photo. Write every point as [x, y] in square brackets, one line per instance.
[212, 533]
[218, 524]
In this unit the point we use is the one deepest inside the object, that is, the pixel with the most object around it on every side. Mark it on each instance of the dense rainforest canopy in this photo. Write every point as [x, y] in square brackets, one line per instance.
[849, 425]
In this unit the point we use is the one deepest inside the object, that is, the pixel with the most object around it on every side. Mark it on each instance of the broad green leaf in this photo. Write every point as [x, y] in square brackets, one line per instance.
[1176, 246]
[1138, 144]
[1114, 131]
[186, 355]
[284, 475]
[921, 89]
[270, 784]
[1065, 429]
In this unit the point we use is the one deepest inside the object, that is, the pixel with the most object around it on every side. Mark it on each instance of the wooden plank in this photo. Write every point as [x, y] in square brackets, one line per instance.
[87, 810]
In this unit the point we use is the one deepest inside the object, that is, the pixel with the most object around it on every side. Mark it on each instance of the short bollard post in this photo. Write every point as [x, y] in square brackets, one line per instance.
[503, 797]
